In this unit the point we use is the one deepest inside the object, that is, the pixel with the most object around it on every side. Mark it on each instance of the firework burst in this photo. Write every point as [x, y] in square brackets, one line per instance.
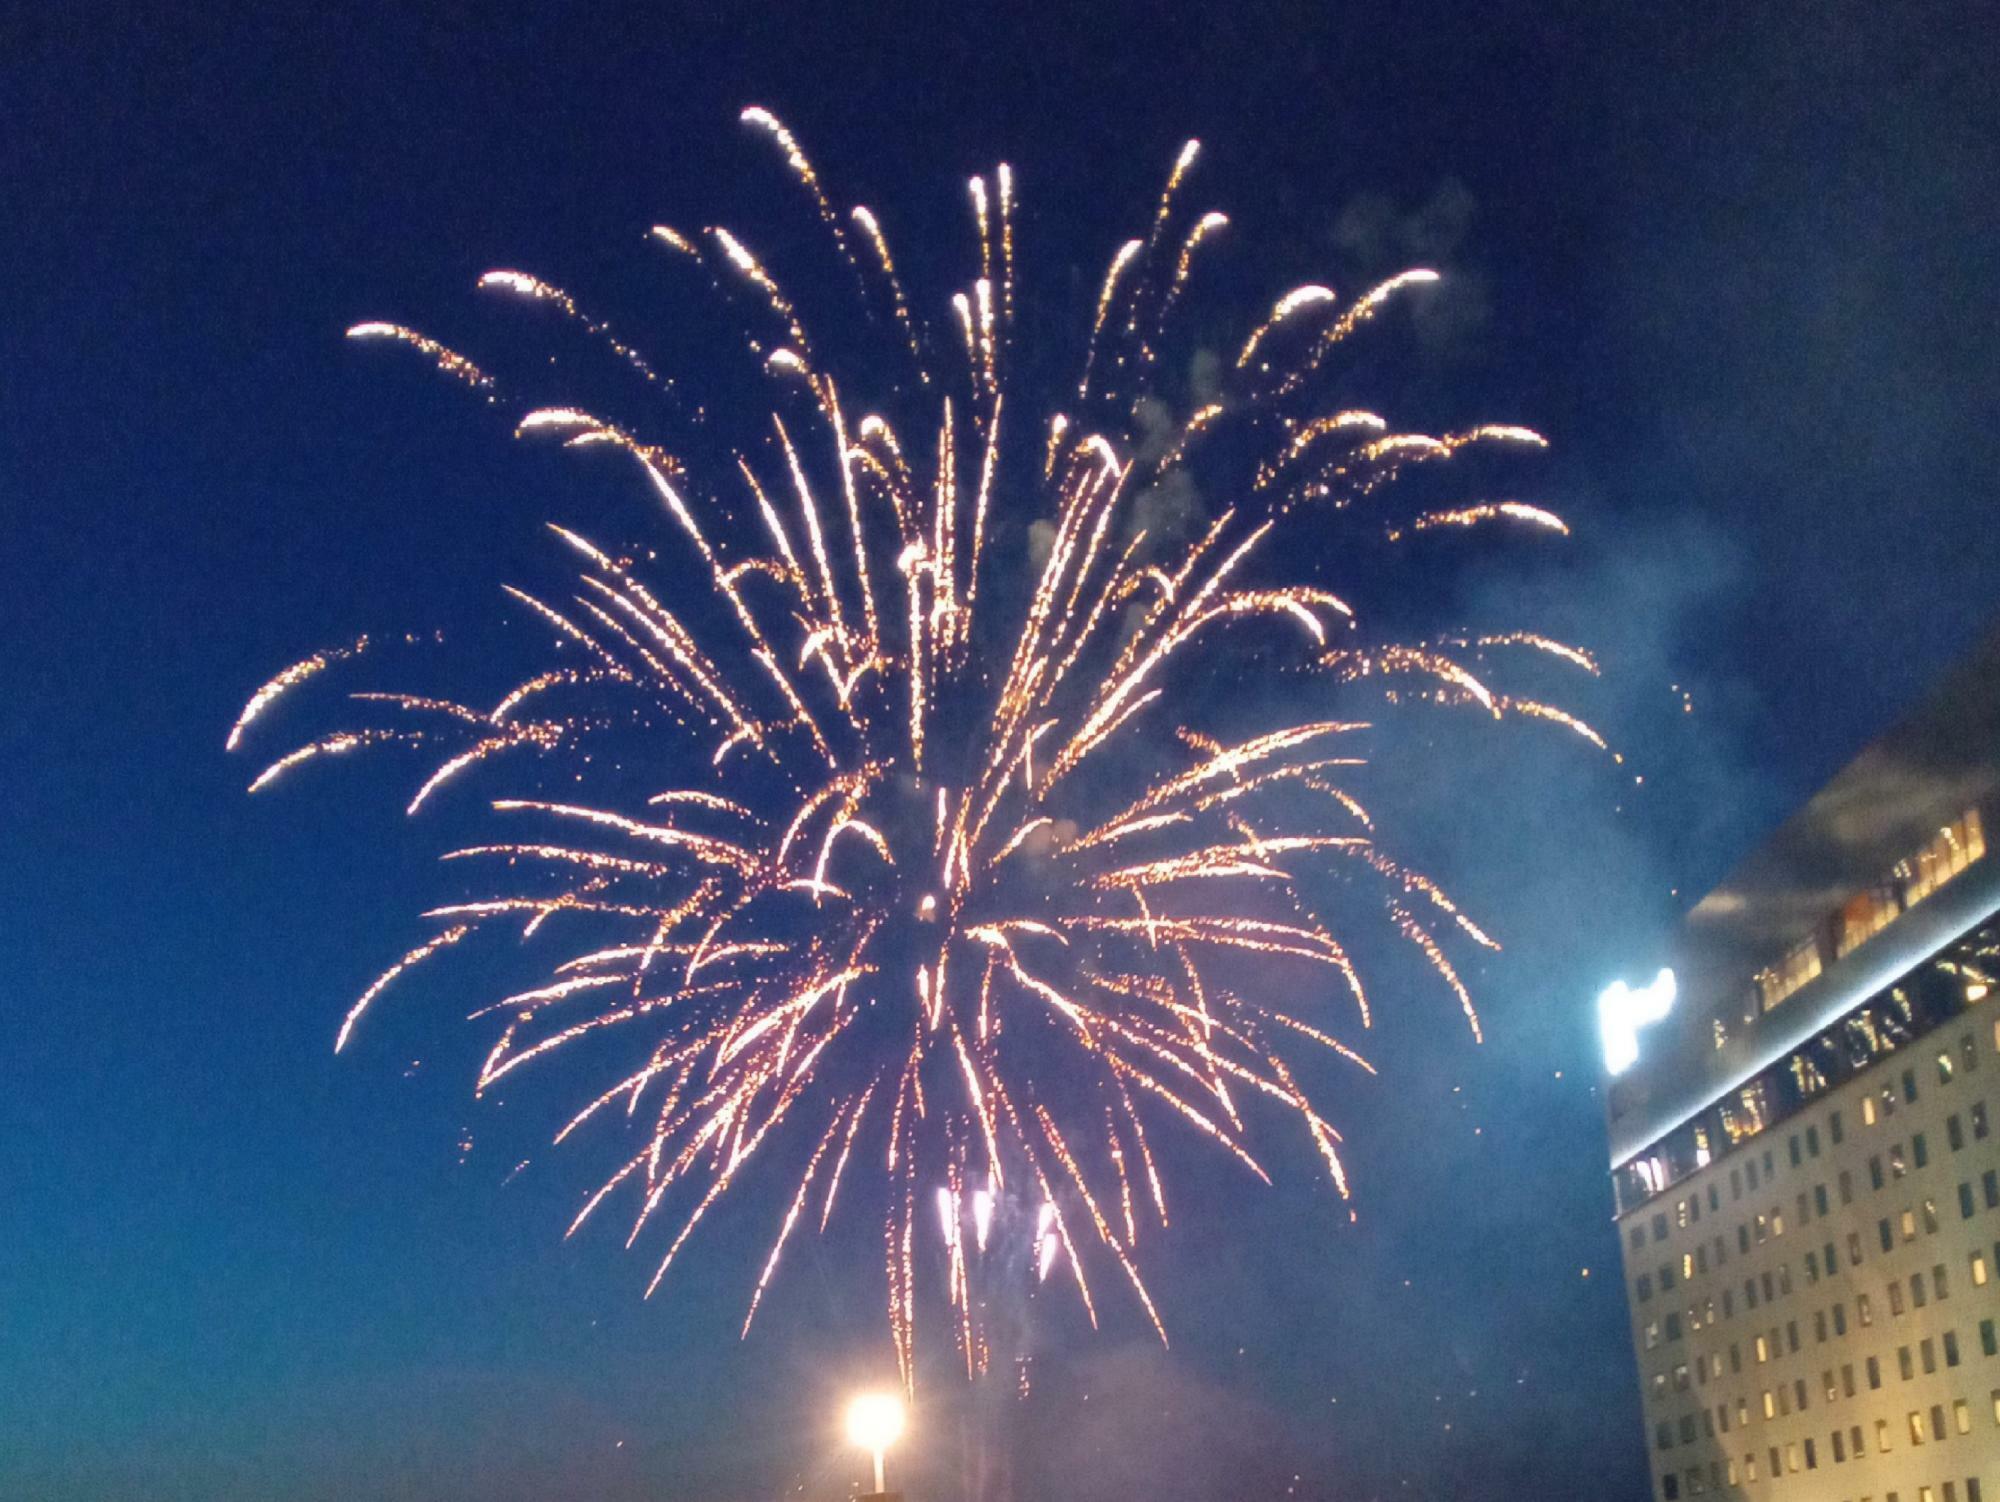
[950, 887]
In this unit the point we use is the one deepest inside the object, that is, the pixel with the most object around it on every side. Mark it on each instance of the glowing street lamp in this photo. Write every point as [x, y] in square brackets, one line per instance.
[874, 1422]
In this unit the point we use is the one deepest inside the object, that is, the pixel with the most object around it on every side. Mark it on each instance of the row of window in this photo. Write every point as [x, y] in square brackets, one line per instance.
[1784, 1399]
[1774, 1283]
[1941, 988]
[1923, 1426]
[1764, 1226]
[1948, 852]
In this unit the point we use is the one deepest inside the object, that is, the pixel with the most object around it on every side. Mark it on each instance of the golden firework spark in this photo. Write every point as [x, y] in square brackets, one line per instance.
[947, 876]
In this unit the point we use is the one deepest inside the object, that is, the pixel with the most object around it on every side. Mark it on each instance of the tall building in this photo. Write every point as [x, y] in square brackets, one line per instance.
[1804, 1112]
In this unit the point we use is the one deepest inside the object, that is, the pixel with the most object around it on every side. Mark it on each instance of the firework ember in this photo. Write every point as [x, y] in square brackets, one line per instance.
[953, 892]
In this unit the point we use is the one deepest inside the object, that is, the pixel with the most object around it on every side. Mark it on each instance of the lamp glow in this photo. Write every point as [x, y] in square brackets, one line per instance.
[875, 1422]
[1622, 1011]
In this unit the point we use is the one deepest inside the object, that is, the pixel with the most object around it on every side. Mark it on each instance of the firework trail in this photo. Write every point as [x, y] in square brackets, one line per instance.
[946, 854]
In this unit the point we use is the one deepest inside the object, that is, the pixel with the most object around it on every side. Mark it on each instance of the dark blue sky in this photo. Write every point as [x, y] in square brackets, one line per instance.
[1740, 267]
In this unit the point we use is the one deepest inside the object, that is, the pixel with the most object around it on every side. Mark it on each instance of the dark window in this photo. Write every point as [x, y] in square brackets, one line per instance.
[1954, 1132]
[1874, 1375]
[1965, 1202]
[1819, 1198]
[1988, 1345]
[1990, 1183]
[1794, 1150]
[1812, 1141]
[1888, 1235]
[1979, 1121]
[1833, 1127]
[1951, 1348]
[1846, 1187]
[1670, 1485]
[1910, 1086]
[1875, 1172]
[1920, 1150]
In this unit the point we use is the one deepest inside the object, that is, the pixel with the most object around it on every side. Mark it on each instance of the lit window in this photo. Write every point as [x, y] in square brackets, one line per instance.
[1865, 916]
[1882, 1428]
[1916, 1427]
[1979, 1269]
[1909, 1225]
[1770, 1404]
[1800, 965]
[1954, 847]
[1868, 1101]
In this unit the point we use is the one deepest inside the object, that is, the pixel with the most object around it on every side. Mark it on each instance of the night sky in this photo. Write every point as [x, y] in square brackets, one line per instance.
[1739, 264]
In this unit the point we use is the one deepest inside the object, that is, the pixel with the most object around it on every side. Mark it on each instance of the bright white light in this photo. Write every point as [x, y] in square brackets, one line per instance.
[874, 1421]
[982, 1215]
[947, 1204]
[1047, 1256]
[1622, 1011]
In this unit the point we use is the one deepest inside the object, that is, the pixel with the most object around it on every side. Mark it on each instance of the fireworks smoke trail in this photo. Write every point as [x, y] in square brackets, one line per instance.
[953, 892]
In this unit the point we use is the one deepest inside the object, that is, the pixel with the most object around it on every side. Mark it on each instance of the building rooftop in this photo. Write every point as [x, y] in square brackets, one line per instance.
[1881, 868]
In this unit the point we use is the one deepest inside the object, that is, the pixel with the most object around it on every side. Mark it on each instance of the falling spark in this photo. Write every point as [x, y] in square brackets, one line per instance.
[879, 883]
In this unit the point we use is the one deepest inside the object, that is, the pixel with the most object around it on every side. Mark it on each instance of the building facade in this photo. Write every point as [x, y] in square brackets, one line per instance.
[1805, 1140]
